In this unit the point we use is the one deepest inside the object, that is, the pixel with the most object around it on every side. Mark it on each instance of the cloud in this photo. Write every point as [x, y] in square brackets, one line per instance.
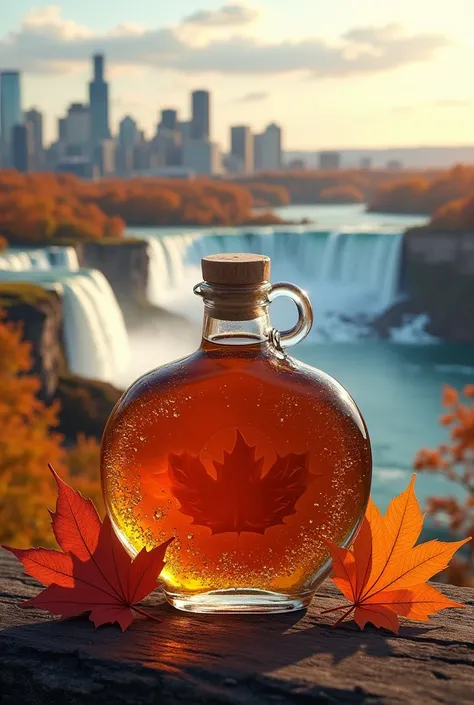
[46, 42]
[232, 15]
[247, 55]
[253, 97]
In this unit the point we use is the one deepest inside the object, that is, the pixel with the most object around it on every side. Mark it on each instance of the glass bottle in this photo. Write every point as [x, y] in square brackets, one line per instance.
[243, 454]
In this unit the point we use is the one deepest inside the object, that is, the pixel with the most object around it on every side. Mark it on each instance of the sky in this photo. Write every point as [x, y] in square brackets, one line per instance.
[333, 73]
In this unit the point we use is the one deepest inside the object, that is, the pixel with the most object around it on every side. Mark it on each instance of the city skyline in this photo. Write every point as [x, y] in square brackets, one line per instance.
[333, 76]
[85, 145]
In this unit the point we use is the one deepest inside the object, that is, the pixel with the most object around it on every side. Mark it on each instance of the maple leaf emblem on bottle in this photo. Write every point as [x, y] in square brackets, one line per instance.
[240, 497]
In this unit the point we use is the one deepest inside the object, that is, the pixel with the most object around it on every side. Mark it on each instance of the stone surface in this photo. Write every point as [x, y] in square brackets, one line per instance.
[40, 313]
[253, 660]
[85, 406]
[124, 264]
[438, 277]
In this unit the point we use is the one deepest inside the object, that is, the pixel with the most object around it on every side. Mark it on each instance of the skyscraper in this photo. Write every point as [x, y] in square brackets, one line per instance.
[202, 156]
[200, 125]
[78, 130]
[128, 139]
[22, 147]
[99, 104]
[128, 132]
[62, 128]
[268, 152]
[10, 113]
[34, 121]
[241, 140]
[169, 119]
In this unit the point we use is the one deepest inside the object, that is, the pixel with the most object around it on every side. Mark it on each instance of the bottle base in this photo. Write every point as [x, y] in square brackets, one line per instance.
[249, 601]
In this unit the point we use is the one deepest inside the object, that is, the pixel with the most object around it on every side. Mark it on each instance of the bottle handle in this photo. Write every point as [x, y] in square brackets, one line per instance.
[287, 338]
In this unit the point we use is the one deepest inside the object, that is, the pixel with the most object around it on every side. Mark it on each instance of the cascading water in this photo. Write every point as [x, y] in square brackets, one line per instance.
[351, 276]
[96, 339]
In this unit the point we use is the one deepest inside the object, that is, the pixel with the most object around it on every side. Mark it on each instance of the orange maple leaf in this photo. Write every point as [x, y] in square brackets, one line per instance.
[384, 574]
[240, 498]
[93, 573]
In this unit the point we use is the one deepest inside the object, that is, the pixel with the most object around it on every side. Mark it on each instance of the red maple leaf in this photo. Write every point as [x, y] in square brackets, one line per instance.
[93, 572]
[239, 498]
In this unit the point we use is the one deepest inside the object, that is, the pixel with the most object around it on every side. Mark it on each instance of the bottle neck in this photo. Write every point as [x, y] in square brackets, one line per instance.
[216, 330]
[235, 316]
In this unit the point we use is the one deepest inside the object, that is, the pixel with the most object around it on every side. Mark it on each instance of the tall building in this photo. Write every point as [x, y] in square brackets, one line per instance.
[329, 160]
[141, 154]
[10, 113]
[128, 138]
[128, 135]
[104, 158]
[202, 156]
[167, 146]
[99, 103]
[241, 147]
[200, 124]
[169, 119]
[268, 149]
[62, 126]
[78, 130]
[34, 121]
[184, 129]
[22, 147]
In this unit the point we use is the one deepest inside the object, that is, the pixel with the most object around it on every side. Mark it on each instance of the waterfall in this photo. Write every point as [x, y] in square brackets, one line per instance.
[95, 336]
[63, 257]
[43, 259]
[350, 275]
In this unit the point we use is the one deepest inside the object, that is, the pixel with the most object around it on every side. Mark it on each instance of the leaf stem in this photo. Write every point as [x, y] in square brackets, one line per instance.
[346, 614]
[144, 613]
[334, 609]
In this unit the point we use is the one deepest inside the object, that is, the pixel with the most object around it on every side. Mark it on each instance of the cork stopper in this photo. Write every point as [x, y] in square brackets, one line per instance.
[236, 269]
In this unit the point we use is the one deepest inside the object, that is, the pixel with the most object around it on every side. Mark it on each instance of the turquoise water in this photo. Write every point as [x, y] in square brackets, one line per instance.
[347, 216]
[397, 388]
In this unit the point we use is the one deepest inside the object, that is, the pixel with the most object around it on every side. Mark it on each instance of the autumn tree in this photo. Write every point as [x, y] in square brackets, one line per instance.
[268, 194]
[455, 215]
[444, 194]
[28, 442]
[341, 194]
[455, 461]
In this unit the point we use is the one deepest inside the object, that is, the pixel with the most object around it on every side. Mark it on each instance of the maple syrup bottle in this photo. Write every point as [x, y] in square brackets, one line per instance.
[247, 457]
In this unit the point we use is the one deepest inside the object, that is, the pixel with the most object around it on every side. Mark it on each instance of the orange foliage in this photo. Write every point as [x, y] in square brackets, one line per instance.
[338, 186]
[342, 194]
[455, 460]
[84, 468]
[455, 215]
[37, 208]
[268, 194]
[384, 574]
[28, 442]
[444, 196]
